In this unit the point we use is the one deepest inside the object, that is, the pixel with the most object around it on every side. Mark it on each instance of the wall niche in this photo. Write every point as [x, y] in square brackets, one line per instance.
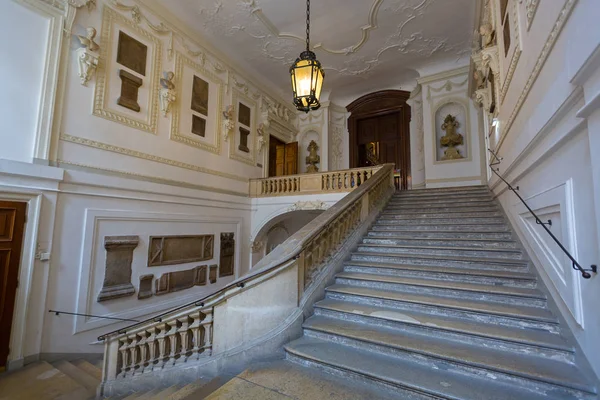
[451, 132]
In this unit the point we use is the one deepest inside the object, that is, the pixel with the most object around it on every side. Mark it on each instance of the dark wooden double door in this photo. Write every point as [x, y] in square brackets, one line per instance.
[380, 132]
[283, 157]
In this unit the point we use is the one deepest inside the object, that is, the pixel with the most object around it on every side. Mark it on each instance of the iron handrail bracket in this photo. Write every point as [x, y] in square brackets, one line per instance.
[585, 273]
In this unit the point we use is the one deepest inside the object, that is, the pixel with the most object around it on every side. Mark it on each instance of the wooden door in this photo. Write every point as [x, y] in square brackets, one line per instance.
[291, 158]
[12, 221]
[280, 160]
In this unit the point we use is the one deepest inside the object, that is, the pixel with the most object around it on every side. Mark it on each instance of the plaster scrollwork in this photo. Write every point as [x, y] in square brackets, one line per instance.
[336, 143]
[87, 56]
[167, 94]
[531, 7]
[483, 97]
[228, 121]
[490, 59]
[308, 205]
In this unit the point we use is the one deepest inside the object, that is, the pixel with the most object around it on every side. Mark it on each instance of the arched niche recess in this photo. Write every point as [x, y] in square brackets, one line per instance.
[381, 120]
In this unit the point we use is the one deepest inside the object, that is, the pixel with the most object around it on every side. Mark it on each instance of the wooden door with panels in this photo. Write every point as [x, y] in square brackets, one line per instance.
[12, 221]
[283, 157]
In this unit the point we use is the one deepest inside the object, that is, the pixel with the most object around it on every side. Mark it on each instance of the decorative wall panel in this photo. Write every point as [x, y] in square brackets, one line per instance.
[145, 289]
[167, 250]
[212, 273]
[197, 117]
[243, 146]
[117, 274]
[227, 258]
[181, 280]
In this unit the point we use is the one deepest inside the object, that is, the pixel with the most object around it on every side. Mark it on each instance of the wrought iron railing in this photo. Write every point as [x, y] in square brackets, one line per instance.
[57, 313]
[585, 273]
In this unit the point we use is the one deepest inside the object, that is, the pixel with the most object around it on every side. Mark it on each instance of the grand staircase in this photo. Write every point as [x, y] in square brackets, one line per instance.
[440, 301]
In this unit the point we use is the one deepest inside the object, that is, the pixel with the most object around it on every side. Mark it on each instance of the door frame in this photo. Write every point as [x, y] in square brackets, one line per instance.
[377, 104]
[23, 295]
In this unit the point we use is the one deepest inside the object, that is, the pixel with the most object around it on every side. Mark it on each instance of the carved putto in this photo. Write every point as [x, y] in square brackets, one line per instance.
[313, 157]
[261, 130]
[228, 121]
[168, 95]
[488, 35]
[451, 138]
[479, 79]
[87, 56]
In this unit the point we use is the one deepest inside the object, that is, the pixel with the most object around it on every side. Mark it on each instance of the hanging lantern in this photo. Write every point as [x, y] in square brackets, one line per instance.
[307, 75]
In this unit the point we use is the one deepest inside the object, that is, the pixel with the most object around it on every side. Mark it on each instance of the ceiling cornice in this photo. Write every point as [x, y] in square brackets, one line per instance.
[443, 75]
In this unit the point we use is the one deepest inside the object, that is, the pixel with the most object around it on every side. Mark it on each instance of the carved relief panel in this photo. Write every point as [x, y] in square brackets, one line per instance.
[168, 250]
[197, 117]
[243, 144]
[127, 80]
[227, 255]
[117, 273]
[181, 280]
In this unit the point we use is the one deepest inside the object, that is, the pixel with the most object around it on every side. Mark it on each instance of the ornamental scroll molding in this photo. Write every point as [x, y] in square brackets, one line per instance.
[531, 7]
[308, 205]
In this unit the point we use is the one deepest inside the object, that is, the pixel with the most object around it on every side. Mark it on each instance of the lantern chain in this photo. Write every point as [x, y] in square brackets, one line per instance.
[307, 25]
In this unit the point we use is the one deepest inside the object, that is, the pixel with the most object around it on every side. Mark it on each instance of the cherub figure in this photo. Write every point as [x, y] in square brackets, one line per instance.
[88, 40]
[168, 95]
[488, 35]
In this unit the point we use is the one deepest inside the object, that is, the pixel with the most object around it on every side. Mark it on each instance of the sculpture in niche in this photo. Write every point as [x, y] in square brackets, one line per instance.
[132, 53]
[488, 35]
[117, 274]
[129, 90]
[212, 273]
[227, 255]
[168, 250]
[228, 121]
[200, 96]
[87, 56]
[181, 280]
[451, 138]
[167, 94]
[313, 157]
[145, 288]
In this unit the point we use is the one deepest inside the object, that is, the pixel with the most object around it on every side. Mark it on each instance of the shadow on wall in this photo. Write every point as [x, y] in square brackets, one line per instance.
[277, 230]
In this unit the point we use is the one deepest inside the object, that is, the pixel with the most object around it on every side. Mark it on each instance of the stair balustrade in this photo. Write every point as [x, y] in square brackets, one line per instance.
[191, 332]
[320, 182]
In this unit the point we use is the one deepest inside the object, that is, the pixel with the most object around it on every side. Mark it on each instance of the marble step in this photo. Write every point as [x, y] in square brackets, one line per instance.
[450, 196]
[442, 261]
[518, 316]
[485, 221]
[394, 214]
[89, 368]
[437, 201]
[78, 375]
[530, 297]
[408, 379]
[409, 240]
[457, 189]
[472, 228]
[525, 370]
[416, 209]
[489, 277]
[539, 343]
[513, 254]
[389, 231]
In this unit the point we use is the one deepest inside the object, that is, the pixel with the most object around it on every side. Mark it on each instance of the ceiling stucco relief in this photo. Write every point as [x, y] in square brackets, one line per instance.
[383, 41]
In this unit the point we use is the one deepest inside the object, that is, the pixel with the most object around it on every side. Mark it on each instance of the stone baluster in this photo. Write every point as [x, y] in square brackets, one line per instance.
[133, 353]
[207, 324]
[124, 351]
[152, 349]
[163, 346]
[184, 334]
[173, 343]
[143, 346]
[196, 331]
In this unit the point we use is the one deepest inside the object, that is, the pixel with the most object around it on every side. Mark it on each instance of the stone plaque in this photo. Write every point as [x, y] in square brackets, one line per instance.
[132, 53]
[145, 289]
[181, 280]
[129, 90]
[167, 250]
[198, 125]
[244, 133]
[200, 96]
[227, 258]
[244, 114]
[212, 273]
[117, 274]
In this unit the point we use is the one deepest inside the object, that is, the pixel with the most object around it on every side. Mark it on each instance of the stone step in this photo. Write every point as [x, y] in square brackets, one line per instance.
[418, 209]
[513, 254]
[451, 289]
[507, 338]
[408, 379]
[480, 311]
[149, 395]
[444, 201]
[446, 196]
[489, 277]
[409, 240]
[525, 370]
[473, 228]
[40, 380]
[166, 393]
[89, 368]
[400, 215]
[83, 378]
[442, 261]
[443, 221]
[454, 189]
[389, 231]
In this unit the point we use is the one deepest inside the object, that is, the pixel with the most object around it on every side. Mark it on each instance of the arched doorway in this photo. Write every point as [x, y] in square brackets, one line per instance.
[380, 131]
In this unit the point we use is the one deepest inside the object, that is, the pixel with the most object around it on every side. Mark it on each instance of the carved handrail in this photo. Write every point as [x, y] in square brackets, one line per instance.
[185, 333]
[320, 182]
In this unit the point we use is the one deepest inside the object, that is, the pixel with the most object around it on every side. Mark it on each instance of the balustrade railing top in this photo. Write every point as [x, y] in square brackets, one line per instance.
[320, 182]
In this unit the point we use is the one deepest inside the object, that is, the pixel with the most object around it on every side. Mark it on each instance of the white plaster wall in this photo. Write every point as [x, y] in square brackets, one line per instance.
[26, 35]
[417, 139]
[438, 91]
[549, 144]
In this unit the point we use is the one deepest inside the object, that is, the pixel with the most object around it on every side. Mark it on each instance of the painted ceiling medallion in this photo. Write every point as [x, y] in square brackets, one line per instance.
[307, 75]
